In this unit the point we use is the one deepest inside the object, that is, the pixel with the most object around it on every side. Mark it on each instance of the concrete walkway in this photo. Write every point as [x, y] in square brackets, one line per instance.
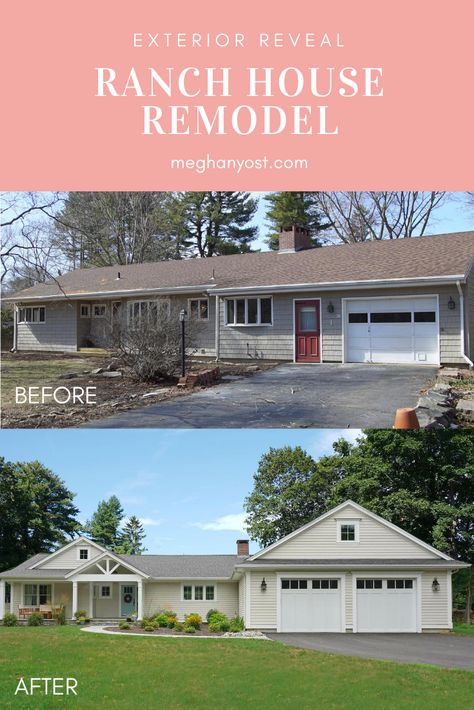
[288, 396]
[446, 650]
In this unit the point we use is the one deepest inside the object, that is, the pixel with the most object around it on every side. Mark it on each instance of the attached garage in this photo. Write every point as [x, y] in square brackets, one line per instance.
[311, 604]
[399, 330]
[385, 605]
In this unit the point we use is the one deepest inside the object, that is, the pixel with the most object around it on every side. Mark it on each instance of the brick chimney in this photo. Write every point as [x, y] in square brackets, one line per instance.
[243, 548]
[294, 239]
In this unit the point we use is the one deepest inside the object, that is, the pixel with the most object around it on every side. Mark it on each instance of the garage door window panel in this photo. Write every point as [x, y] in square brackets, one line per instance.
[358, 317]
[396, 317]
[425, 317]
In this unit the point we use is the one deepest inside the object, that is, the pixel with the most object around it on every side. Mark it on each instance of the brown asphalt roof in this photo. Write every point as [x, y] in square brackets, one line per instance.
[439, 255]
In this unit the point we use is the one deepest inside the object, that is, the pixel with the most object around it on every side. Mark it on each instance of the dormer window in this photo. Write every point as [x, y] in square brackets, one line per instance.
[83, 553]
[348, 531]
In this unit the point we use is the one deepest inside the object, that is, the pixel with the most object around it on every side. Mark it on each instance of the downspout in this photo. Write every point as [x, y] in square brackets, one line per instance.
[218, 330]
[15, 329]
[461, 316]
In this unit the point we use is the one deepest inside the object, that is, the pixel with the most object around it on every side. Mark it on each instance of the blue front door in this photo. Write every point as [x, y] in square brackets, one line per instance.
[128, 600]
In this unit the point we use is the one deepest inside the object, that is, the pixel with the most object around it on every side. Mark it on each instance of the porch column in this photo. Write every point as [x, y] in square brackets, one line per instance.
[91, 600]
[140, 599]
[2, 598]
[74, 598]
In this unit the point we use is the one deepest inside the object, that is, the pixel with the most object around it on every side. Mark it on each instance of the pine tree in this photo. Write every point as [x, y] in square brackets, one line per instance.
[132, 536]
[104, 526]
[293, 209]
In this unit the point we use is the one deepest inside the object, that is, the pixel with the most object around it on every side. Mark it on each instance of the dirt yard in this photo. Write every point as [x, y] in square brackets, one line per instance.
[114, 392]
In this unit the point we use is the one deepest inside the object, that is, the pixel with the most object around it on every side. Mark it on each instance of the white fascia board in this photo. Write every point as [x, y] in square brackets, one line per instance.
[343, 285]
[97, 296]
[78, 541]
[106, 553]
[356, 564]
[352, 504]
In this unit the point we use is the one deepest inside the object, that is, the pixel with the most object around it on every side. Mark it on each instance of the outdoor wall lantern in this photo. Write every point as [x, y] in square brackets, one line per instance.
[435, 585]
[263, 585]
[330, 307]
[451, 304]
[182, 317]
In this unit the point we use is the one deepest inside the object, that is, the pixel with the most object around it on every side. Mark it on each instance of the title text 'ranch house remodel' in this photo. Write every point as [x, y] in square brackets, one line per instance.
[347, 571]
[406, 301]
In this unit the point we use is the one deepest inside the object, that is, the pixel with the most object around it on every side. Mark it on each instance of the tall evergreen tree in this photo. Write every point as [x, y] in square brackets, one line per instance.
[132, 537]
[294, 209]
[213, 223]
[104, 526]
[37, 512]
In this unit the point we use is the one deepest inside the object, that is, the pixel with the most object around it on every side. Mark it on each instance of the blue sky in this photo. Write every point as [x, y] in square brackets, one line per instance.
[187, 486]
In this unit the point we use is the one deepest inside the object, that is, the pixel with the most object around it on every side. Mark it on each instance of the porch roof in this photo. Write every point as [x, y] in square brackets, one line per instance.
[444, 257]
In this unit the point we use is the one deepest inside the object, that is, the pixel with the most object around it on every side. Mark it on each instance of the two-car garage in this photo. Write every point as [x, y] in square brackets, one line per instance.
[392, 330]
[379, 604]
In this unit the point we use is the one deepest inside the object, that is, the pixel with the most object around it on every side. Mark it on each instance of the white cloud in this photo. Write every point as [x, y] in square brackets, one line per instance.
[150, 521]
[225, 522]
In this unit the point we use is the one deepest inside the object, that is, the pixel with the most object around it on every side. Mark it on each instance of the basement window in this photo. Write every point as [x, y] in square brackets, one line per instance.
[32, 315]
[249, 311]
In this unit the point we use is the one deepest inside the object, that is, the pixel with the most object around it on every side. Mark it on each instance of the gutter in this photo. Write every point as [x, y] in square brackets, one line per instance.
[461, 318]
[217, 329]
[354, 565]
[15, 329]
[110, 294]
[344, 285]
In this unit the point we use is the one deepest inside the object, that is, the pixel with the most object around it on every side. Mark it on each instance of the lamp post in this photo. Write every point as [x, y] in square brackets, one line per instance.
[182, 317]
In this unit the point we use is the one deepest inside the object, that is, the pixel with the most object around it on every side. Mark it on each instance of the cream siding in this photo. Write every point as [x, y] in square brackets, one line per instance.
[376, 540]
[435, 612]
[57, 333]
[106, 608]
[168, 595]
[348, 604]
[242, 597]
[263, 605]
[69, 559]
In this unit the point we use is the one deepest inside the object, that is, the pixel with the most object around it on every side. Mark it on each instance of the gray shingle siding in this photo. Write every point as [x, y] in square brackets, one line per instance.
[469, 305]
[57, 333]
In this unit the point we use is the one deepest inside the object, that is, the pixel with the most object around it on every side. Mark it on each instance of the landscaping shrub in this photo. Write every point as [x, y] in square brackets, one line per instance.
[146, 621]
[35, 619]
[124, 625]
[194, 620]
[60, 616]
[150, 627]
[161, 620]
[178, 626]
[219, 622]
[214, 627]
[80, 614]
[10, 619]
[210, 613]
[189, 630]
[237, 624]
[171, 622]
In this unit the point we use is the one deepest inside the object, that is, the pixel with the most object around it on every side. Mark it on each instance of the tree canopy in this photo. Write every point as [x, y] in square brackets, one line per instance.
[104, 526]
[294, 209]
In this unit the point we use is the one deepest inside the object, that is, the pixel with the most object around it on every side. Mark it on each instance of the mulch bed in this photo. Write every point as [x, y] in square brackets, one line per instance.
[203, 631]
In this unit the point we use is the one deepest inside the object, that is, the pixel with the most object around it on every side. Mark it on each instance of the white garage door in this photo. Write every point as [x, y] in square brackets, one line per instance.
[386, 605]
[398, 330]
[310, 605]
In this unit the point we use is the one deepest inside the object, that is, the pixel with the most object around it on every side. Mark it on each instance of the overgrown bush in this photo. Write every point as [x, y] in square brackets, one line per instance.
[237, 624]
[194, 620]
[35, 619]
[10, 619]
[189, 629]
[148, 342]
[60, 616]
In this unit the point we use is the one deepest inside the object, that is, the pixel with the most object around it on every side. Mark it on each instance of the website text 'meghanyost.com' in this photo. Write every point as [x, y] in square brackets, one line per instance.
[207, 163]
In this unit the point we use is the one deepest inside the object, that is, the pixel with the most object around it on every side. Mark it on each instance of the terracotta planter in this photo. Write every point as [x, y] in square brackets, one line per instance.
[405, 418]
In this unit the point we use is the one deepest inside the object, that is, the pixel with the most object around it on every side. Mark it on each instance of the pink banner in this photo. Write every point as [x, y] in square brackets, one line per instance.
[255, 96]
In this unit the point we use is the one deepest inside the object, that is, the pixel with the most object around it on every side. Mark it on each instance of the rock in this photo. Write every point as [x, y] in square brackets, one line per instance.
[97, 371]
[155, 393]
[466, 406]
[111, 374]
[69, 376]
[112, 366]
[246, 635]
[442, 388]
[252, 368]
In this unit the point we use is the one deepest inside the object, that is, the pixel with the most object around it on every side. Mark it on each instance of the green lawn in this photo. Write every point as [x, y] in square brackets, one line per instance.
[465, 629]
[133, 672]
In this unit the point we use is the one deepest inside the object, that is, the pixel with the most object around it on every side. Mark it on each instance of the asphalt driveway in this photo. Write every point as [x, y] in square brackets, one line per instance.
[444, 650]
[326, 395]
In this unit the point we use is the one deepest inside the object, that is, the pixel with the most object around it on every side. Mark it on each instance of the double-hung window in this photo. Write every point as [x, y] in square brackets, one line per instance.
[35, 314]
[199, 592]
[348, 531]
[198, 308]
[147, 312]
[249, 311]
[37, 594]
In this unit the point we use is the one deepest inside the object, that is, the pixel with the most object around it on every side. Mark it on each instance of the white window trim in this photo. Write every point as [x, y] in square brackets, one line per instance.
[246, 299]
[199, 308]
[193, 586]
[37, 585]
[161, 301]
[83, 559]
[85, 305]
[102, 596]
[31, 322]
[99, 305]
[346, 521]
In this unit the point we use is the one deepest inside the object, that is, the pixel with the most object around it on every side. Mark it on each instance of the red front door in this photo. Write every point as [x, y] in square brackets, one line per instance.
[307, 331]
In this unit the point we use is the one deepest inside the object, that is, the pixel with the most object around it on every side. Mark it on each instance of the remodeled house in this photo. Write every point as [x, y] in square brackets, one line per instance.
[348, 570]
[400, 301]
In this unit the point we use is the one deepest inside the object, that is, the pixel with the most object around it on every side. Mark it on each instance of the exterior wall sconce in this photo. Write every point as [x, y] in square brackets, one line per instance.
[451, 304]
[263, 585]
[435, 585]
[330, 307]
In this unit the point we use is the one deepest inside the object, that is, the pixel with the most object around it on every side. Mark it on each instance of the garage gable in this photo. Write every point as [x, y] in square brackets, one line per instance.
[349, 532]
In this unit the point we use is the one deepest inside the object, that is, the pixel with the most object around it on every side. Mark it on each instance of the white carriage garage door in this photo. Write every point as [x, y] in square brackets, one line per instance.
[310, 605]
[386, 605]
[394, 330]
